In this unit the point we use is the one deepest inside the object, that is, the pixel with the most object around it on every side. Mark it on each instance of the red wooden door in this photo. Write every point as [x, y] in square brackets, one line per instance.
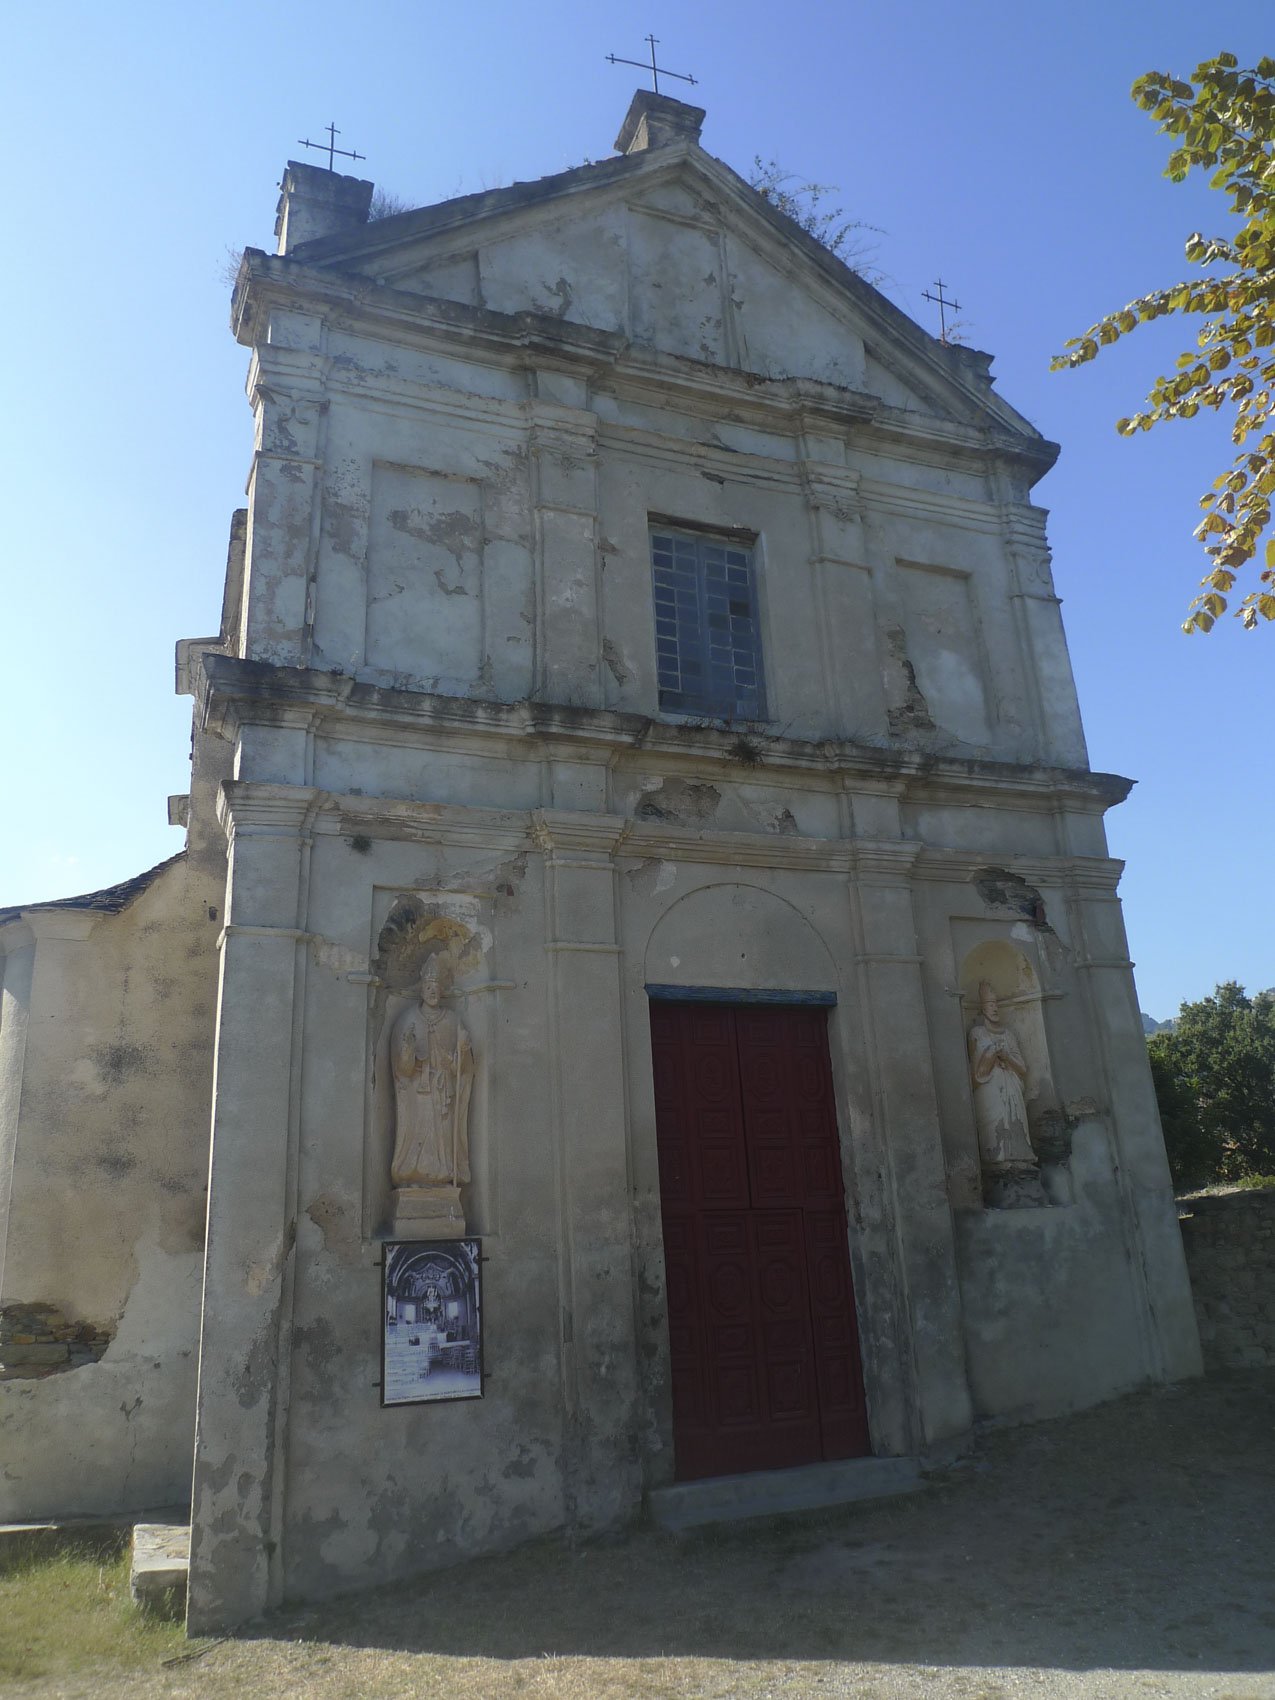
[762, 1331]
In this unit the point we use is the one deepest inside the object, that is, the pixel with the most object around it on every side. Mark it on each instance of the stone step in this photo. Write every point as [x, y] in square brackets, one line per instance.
[771, 1493]
[161, 1567]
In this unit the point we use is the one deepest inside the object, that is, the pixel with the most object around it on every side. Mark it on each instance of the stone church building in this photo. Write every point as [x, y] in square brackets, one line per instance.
[645, 944]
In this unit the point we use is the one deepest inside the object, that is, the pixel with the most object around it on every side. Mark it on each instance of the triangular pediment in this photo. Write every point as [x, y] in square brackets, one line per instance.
[672, 251]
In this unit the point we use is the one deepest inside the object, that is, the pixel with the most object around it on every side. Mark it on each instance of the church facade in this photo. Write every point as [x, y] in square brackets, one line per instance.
[647, 950]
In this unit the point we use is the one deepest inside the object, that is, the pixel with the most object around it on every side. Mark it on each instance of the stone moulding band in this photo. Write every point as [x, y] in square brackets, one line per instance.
[236, 930]
[734, 994]
[585, 945]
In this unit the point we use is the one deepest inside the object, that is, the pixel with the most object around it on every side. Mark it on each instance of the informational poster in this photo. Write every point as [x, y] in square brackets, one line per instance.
[431, 1321]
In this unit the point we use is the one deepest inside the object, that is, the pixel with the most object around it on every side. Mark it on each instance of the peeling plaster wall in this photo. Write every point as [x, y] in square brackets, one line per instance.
[369, 1491]
[105, 1220]
[688, 879]
[480, 525]
[493, 554]
[1087, 1298]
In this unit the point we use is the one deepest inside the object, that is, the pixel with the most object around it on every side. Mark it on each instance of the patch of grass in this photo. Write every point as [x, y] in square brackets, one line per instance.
[73, 1612]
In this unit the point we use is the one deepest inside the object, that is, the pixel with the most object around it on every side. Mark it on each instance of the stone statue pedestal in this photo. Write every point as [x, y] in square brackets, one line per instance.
[427, 1213]
[1013, 1186]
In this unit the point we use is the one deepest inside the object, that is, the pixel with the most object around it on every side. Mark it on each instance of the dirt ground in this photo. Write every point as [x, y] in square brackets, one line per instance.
[1125, 1552]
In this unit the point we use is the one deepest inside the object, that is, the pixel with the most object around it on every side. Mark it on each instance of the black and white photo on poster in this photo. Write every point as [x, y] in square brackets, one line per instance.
[431, 1321]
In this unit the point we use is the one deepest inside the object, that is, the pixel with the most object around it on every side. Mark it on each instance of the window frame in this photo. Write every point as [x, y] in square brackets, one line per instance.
[684, 633]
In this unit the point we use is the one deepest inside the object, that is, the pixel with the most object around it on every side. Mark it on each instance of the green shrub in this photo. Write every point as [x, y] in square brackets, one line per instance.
[1214, 1077]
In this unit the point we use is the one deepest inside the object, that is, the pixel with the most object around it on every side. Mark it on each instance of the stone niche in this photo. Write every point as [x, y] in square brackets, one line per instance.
[427, 973]
[1016, 1173]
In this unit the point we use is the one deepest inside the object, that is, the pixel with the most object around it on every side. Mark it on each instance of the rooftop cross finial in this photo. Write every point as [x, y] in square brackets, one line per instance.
[656, 70]
[942, 304]
[331, 147]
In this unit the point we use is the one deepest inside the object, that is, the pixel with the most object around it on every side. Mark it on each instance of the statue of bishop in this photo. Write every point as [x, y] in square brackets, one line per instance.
[432, 1062]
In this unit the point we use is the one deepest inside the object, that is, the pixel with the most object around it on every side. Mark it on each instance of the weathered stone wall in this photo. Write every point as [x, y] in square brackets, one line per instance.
[106, 1033]
[1230, 1252]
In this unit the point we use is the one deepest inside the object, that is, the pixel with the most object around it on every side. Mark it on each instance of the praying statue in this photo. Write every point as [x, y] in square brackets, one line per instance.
[432, 1062]
[998, 1073]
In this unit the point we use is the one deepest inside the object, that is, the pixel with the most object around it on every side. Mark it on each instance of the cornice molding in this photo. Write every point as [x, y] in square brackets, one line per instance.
[659, 842]
[67, 926]
[505, 830]
[599, 842]
[938, 864]
[248, 809]
[286, 935]
[1092, 876]
[555, 831]
[437, 325]
[234, 693]
[381, 255]
[943, 506]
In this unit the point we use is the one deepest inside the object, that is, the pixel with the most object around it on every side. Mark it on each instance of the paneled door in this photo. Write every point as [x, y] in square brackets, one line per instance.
[762, 1329]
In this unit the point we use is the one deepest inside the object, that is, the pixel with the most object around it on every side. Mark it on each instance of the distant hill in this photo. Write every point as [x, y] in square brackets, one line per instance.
[1150, 1025]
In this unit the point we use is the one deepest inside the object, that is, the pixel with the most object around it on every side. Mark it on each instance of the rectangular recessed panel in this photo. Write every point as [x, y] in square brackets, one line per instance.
[736, 1396]
[726, 1236]
[945, 649]
[424, 620]
[731, 1340]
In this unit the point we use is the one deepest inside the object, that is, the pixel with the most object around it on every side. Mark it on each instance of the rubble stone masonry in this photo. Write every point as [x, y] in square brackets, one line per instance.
[1230, 1252]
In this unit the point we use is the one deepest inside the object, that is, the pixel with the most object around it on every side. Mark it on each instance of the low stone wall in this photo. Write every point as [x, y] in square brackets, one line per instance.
[1230, 1251]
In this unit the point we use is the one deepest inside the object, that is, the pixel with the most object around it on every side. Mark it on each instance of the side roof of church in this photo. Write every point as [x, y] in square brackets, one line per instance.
[110, 900]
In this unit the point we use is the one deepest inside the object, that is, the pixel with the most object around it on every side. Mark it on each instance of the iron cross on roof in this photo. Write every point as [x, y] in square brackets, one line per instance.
[331, 147]
[942, 304]
[657, 71]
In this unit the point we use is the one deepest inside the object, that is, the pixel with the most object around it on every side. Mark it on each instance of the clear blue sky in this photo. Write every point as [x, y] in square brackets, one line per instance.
[993, 143]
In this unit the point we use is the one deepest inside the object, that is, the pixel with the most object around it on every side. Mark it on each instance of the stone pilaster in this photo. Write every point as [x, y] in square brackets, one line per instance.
[286, 385]
[588, 1108]
[897, 1033]
[1051, 689]
[1153, 1237]
[564, 488]
[844, 599]
[241, 1420]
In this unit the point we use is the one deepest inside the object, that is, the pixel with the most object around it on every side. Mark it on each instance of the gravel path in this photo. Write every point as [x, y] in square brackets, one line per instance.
[1126, 1552]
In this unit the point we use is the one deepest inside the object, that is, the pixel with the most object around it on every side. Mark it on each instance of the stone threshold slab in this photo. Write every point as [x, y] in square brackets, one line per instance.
[772, 1493]
[161, 1567]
